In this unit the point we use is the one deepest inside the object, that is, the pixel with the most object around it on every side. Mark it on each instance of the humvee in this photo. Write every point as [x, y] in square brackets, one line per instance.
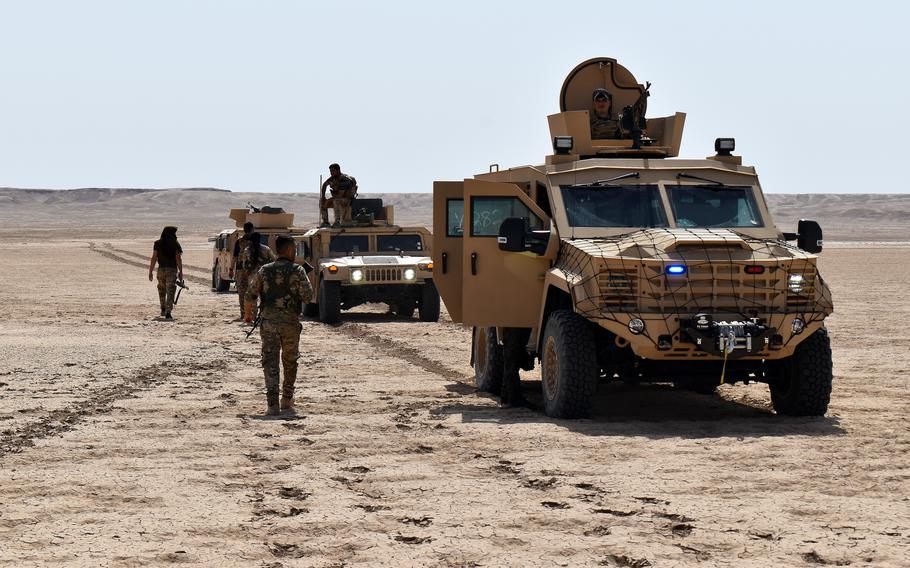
[269, 222]
[372, 260]
[616, 260]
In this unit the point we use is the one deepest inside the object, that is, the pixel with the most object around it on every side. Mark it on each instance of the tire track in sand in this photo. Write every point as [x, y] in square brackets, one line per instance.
[118, 258]
[186, 266]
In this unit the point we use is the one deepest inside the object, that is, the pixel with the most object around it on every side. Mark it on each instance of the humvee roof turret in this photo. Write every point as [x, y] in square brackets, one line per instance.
[616, 261]
[372, 260]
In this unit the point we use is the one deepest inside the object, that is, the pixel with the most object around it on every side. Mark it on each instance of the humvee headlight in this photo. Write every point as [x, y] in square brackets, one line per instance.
[356, 275]
[797, 326]
[332, 269]
[676, 269]
[409, 274]
[428, 266]
[563, 144]
[795, 283]
[636, 326]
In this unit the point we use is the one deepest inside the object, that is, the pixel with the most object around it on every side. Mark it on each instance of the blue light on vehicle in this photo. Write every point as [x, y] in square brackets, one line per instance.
[676, 269]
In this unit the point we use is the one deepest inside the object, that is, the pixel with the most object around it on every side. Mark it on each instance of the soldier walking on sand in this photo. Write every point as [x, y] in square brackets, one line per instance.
[249, 256]
[167, 252]
[344, 190]
[282, 288]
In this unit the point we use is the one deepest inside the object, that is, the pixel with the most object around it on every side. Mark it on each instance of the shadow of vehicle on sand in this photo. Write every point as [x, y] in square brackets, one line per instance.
[654, 411]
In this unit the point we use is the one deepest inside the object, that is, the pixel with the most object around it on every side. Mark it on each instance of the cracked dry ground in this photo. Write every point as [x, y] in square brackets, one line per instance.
[128, 441]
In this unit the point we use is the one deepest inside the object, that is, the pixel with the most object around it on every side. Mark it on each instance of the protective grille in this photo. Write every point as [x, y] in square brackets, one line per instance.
[383, 274]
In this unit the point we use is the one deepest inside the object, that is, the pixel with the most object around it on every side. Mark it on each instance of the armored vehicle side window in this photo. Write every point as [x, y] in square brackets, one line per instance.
[488, 213]
[393, 243]
[636, 206]
[714, 206]
[455, 217]
[349, 244]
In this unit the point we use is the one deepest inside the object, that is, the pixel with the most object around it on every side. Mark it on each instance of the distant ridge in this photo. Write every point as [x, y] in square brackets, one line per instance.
[201, 210]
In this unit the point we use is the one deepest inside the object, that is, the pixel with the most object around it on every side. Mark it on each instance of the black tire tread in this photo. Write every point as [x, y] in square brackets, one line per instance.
[429, 302]
[329, 301]
[577, 353]
[808, 391]
[491, 381]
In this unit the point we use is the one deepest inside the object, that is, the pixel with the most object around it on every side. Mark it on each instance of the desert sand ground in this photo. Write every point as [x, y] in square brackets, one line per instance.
[130, 441]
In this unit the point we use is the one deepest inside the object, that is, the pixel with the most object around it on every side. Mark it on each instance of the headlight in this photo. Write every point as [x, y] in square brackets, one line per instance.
[798, 326]
[409, 274]
[795, 283]
[636, 326]
[356, 275]
[428, 266]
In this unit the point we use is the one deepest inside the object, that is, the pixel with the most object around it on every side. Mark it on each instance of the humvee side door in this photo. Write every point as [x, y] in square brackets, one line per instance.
[501, 289]
[448, 233]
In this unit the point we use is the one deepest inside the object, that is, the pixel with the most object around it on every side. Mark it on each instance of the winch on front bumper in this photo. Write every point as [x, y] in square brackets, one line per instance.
[735, 338]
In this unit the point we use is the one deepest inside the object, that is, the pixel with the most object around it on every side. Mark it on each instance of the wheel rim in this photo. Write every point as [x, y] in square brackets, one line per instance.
[550, 371]
[480, 354]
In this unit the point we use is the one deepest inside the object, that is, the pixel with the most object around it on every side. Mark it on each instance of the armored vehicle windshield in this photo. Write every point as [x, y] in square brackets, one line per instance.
[611, 206]
[709, 206]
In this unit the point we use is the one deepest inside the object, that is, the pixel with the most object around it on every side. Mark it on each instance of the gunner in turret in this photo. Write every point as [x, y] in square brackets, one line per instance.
[603, 124]
[344, 190]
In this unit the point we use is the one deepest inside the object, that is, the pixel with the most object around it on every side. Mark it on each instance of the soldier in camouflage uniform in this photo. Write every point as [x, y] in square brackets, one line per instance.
[283, 288]
[252, 255]
[167, 254]
[603, 124]
[344, 190]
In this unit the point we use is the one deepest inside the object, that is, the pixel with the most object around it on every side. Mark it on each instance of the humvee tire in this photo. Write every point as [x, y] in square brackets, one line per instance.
[218, 284]
[488, 362]
[568, 370]
[803, 387]
[311, 310]
[329, 301]
[402, 310]
[429, 302]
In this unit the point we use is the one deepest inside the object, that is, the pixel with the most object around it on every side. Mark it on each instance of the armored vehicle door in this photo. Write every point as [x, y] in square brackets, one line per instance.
[448, 233]
[501, 289]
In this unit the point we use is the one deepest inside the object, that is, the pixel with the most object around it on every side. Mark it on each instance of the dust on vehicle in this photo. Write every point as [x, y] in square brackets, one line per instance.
[619, 261]
[372, 260]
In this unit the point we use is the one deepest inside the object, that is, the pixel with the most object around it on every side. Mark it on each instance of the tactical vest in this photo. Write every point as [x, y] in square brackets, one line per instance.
[277, 294]
[245, 262]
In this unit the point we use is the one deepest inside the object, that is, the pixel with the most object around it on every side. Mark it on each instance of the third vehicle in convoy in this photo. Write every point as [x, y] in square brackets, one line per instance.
[615, 260]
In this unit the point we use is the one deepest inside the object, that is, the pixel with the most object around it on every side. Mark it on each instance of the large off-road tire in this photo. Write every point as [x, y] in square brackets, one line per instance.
[429, 302]
[218, 284]
[568, 369]
[311, 310]
[487, 361]
[403, 309]
[329, 301]
[802, 386]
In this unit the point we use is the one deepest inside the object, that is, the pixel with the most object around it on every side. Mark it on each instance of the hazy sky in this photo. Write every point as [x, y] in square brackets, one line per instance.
[263, 95]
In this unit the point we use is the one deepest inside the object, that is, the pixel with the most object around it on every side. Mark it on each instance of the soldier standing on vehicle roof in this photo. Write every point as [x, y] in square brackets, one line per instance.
[167, 252]
[249, 256]
[344, 190]
[603, 124]
[282, 288]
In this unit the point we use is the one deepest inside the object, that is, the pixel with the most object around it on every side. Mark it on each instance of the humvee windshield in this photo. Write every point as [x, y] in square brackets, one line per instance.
[393, 243]
[714, 206]
[614, 206]
[349, 244]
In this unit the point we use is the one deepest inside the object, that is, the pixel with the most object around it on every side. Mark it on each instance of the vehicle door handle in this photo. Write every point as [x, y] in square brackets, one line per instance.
[474, 264]
[445, 262]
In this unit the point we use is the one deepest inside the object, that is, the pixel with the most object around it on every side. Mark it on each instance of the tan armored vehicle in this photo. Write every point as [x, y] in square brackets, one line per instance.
[372, 261]
[615, 260]
[269, 222]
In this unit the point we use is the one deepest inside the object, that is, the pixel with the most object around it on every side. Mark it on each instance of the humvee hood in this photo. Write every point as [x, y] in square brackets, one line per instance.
[680, 244]
[352, 261]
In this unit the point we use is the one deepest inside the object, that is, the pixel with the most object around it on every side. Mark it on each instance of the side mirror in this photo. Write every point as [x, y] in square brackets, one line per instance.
[810, 236]
[515, 235]
[512, 234]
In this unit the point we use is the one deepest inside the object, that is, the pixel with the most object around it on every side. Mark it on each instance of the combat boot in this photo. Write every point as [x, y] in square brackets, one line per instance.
[273, 409]
[287, 403]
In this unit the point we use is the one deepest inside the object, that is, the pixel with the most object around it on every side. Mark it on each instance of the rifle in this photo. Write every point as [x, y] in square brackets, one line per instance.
[255, 325]
[252, 207]
[632, 119]
[182, 285]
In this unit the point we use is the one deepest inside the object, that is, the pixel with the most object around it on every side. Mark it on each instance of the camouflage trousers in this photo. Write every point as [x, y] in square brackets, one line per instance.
[280, 340]
[167, 287]
[241, 282]
[342, 207]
